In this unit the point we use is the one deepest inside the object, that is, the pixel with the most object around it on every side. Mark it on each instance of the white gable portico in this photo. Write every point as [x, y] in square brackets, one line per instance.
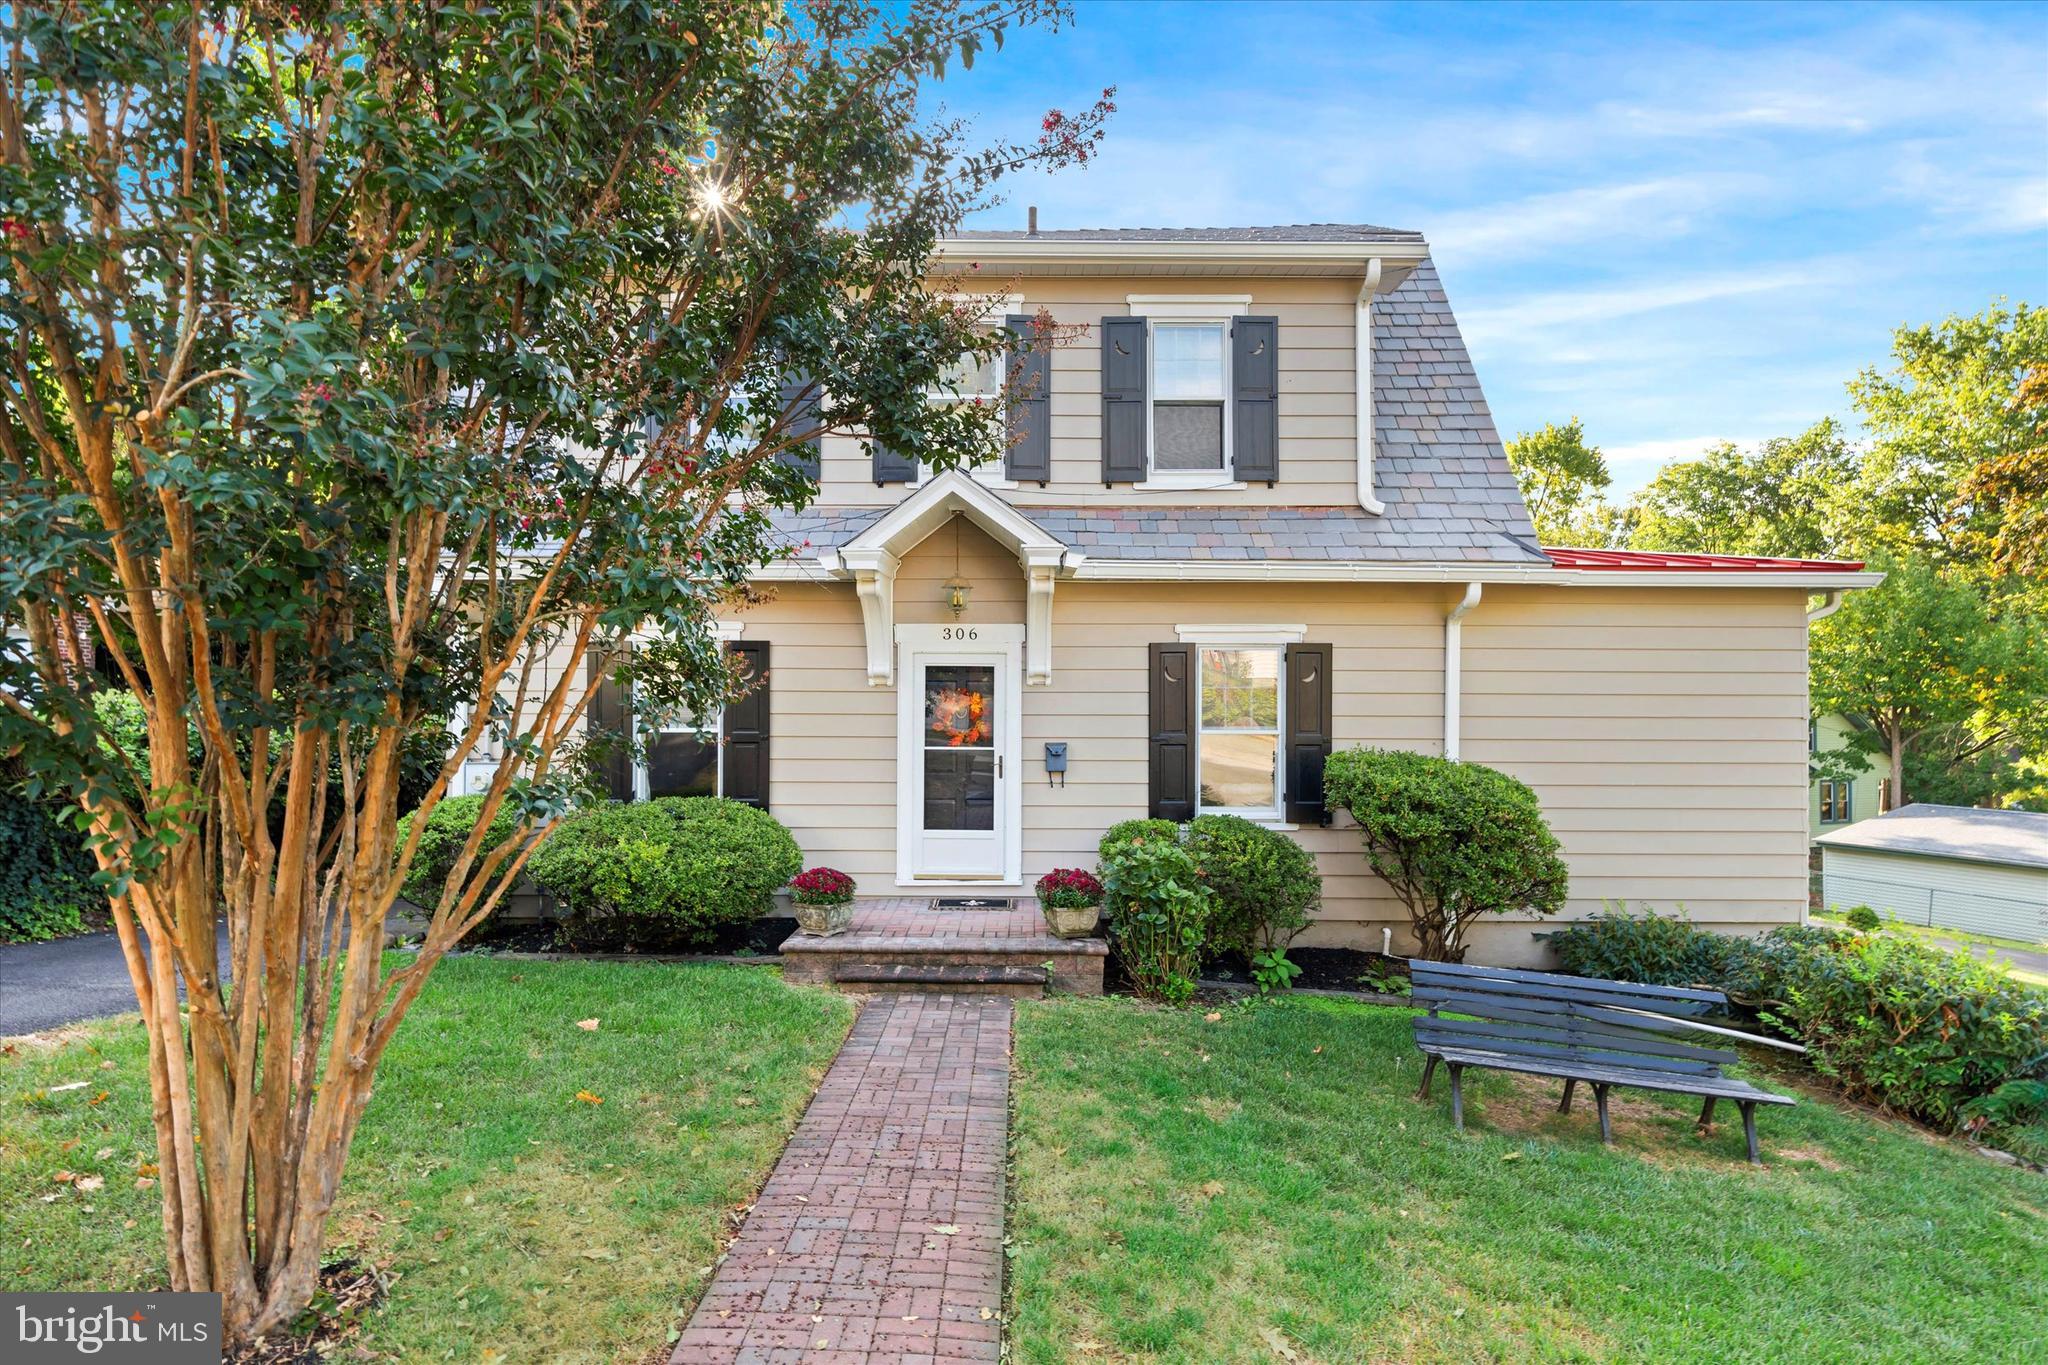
[871, 559]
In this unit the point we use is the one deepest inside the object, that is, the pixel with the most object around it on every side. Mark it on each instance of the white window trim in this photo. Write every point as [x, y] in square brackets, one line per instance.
[1275, 638]
[1229, 635]
[1215, 311]
[1189, 307]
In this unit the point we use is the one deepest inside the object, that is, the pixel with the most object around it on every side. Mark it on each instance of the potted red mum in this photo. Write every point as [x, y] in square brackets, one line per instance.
[1071, 901]
[824, 900]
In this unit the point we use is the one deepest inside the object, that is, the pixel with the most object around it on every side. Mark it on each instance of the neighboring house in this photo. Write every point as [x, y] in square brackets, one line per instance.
[1835, 802]
[1957, 867]
[1255, 508]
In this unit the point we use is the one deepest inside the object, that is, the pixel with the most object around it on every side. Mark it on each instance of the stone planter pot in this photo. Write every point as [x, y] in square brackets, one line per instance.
[1071, 923]
[822, 921]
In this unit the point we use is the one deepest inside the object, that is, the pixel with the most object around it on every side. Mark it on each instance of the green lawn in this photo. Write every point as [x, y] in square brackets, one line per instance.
[1265, 1184]
[522, 1223]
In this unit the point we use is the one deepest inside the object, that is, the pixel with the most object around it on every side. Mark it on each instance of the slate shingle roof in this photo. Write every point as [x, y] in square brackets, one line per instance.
[1438, 466]
[1289, 232]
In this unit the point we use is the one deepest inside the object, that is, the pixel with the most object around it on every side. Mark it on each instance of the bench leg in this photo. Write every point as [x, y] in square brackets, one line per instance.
[1564, 1106]
[1749, 1132]
[1428, 1070]
[1457, 1097]
[1600, 1099]
[1707, 1112]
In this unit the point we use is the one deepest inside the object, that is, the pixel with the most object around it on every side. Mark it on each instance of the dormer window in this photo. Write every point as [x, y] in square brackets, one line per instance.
[1190, 390]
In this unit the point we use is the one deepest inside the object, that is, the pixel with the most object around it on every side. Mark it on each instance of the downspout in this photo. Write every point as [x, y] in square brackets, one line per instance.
[1362, 321]
[1454, 645]
[1826, 609]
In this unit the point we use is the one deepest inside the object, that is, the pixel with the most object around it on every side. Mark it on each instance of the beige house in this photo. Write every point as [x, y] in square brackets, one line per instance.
[1255, 508]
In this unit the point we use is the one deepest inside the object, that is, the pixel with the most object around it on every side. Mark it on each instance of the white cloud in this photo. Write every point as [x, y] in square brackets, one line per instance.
[1541, 224]
[1635, 461]
[1539, 317]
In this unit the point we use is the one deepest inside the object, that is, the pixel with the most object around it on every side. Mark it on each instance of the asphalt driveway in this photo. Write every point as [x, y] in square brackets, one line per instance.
[48, 985]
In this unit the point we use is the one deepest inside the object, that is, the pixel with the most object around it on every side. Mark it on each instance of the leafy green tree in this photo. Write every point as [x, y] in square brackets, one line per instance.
[2010, 489]
[1950, 410]
[1781, 498]
[1950, 692]
[1564, 482]
[373, 364]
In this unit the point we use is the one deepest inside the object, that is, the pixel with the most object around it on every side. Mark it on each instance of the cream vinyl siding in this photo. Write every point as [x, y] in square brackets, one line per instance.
[1317, 404]
[1664, 729]
[1981, 898]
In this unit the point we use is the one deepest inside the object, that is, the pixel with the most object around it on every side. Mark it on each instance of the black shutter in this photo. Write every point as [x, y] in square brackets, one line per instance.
[1172, 751]
[1123, 400]
[1254, 398]
[611, 715]
[804, 457]
[1030, 457]
[746, 730]
[893, 466]
[1308, 732]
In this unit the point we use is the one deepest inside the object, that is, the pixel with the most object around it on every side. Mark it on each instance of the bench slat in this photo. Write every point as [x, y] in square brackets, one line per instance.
[1580, 994]
[1595, 1036]
[1544, 1049]
[1528, 1009]
[1418, 967]
[1720, 1087]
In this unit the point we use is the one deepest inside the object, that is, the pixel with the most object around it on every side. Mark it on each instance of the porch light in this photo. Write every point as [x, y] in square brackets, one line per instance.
[957, 589]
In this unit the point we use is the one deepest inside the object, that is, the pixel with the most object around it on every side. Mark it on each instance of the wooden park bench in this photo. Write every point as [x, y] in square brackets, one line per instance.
[1579, 1028]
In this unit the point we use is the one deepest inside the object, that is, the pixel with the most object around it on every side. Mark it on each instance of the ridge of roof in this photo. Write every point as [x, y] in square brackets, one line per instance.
[1285, 232]
[2014, 838]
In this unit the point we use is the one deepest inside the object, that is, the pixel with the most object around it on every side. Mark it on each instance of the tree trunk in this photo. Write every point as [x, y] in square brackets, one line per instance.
[1898, 770]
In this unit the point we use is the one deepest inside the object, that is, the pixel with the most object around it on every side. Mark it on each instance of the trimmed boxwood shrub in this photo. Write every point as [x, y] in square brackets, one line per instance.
[1454, 840]
[447, 830]
[1917, 1029]
[681, 865]
[1266, 884]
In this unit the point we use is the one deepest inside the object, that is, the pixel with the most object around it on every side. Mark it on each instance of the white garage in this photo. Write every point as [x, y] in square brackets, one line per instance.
[1984, 871]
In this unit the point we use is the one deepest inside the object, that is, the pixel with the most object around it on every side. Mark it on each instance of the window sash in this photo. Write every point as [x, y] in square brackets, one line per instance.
[1198, 379]
[1276, 731]
[712, 735]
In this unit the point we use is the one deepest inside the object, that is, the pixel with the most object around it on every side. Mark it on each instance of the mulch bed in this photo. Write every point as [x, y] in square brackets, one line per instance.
[761, 937]
[349, 1289]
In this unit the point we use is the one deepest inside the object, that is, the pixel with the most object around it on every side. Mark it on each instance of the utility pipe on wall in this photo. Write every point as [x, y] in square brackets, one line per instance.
[1832, 605]
[1363, 365]
[1454, 644]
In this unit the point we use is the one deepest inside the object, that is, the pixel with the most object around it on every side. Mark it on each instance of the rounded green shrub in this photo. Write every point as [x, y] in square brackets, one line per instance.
[1862, 919]
[45, 872]
[448, 828]
[1266, 885]
[682, 865]
[1453, 840]
[1126, 831]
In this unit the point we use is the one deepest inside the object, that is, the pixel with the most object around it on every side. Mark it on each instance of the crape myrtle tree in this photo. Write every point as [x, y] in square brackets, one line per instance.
[358, 360]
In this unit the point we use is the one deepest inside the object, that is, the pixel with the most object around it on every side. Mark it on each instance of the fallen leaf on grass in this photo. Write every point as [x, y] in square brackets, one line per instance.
[1088, 1346]
[600, 1254]
[1281, 1346]
[1510, 1156]
[1212, 1016]
[60, 1089]
[1212, 1189]
[100, 1098]
[746, 1101]
[1317, 1048]
[88, 1183]
[586, 1097]
[587, 1025]
[65, 1177]
[143, 1182]
[102, 1154]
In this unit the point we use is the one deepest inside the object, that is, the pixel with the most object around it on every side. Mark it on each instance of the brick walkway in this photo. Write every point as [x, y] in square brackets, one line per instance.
[841, 1262]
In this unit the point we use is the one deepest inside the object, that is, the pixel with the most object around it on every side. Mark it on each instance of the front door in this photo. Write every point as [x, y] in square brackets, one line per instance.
[958, 777]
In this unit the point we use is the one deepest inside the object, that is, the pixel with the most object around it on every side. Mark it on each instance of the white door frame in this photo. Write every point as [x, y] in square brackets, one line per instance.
[964, 642]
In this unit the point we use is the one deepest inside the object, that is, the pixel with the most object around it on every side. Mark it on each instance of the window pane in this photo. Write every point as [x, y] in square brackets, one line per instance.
[1187, 436]
[959, 789]
[1238, 769]
[1240, 689]
[682, 765]
[960, 707]
[1187, 361]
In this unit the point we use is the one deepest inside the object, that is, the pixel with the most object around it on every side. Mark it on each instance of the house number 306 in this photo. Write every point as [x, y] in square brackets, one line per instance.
[960, 633]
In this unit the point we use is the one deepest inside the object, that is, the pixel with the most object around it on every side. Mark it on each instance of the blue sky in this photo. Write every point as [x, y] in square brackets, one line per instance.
[1679, 223]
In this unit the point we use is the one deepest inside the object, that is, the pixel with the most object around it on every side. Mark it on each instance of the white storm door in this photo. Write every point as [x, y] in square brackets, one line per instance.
[957, 758]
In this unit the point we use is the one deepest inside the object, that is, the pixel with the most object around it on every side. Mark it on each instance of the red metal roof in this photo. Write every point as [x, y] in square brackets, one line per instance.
[1566, 558]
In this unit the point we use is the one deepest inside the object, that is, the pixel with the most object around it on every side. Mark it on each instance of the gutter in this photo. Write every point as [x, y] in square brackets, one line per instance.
[1362, 364]
[1359, 571]
[1826, 609]
[1454, 649]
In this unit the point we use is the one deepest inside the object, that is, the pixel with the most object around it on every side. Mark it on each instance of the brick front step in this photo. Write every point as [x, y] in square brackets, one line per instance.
[1076, 964]
[1020, 982]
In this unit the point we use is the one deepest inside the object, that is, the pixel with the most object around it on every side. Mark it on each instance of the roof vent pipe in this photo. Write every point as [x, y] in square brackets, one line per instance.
[1031, 221]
